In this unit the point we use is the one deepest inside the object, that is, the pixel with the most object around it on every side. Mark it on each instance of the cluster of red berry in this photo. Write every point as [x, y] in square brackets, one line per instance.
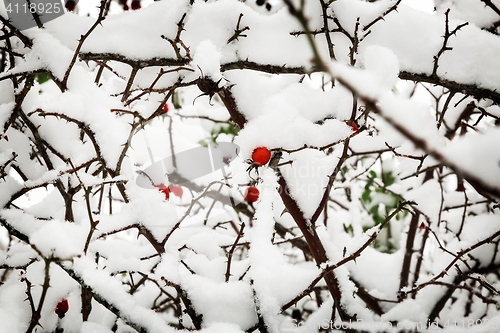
[136, 4]
[260, 157]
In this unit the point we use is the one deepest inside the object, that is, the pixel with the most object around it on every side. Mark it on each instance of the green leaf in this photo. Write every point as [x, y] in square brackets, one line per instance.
[42, 77]
[366, 196]
[177, 100]
[388, 178]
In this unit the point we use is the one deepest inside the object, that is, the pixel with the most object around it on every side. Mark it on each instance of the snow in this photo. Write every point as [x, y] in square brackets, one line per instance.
[301, 114]
[62, 239]
[6, 110]
[14, 311]
[165, 15]
[207, 57]
[464, 152]
[383, 62]
[230, 302]
[53, 55]
[307, 178]
[102, 284]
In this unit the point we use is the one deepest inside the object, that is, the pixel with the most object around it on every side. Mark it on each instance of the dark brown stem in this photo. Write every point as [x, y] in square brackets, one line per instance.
[492, 6]
[100, 18]
[35, 317]
[352, 257]
[456, 258]
[419, 260]
[312, 239]
[26, 41]
[381, 17]
[130, 81]
[405, 269]
[324, 8]
[231, 251]
[238, 31]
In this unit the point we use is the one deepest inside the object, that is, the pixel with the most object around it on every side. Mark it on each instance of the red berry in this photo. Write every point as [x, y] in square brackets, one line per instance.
[136, 4]
[62, 307]
[261, 155]
[176, 190]
[165, 106]
[70, 5]
[165, 190]
[354, 126]
[422, 226]
[124, 4]
[251, 194]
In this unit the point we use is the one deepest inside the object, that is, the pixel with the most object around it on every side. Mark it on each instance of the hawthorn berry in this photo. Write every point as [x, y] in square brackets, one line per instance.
[261, 155]
[176, 190]
[251, 194]
[136, 4]
[62, 307]
[124, 4]
[70, 5]
[165, 108]
[165, 190]
[354, 126]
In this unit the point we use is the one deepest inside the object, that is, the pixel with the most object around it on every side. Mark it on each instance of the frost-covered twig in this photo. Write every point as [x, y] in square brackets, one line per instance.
[26, 41]
[231, 251]
[188, 211]
[447, 35]
[458, 256]
[329, 268]
[490, 4]
[177, 40]
[381, 17]
[36, 315]
[196, 318]
[410, 238]
[155, 81]
[238, 31]
[137, 63]
[266, 68]
[100, 18]
[329, 43]
[131, 78]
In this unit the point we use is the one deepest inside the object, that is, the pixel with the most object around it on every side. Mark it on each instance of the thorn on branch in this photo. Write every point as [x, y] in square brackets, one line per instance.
[382, 17]
[177, 40]
[238, 31]
[447, 35]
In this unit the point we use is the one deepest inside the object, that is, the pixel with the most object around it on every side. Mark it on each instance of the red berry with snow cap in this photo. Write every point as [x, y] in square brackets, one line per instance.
[261, 155]
[251, 194]
[61, 308]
